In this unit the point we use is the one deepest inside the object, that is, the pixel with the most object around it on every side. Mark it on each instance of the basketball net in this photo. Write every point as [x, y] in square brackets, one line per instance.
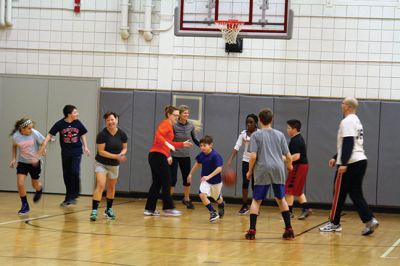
[230, 29]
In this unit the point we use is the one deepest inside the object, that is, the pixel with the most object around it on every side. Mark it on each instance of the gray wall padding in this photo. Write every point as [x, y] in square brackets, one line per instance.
[223, 117]
[369, 112]
[22, 97]
[221, 122]
[144, 106]
[324, 118]
[42, 99]
[389, 163]
[162, 100]
[120, 102]
[248, 105]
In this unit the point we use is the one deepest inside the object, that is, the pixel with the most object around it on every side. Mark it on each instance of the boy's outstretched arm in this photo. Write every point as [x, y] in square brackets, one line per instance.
[194, 168]
[252, 162]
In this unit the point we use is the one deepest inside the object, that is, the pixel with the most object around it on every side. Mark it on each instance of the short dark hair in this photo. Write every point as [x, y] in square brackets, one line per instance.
[169, 109]
[266, 116]
[106, 115]
[206, 140]
[294, 123]
[255, 118]
[68, 109]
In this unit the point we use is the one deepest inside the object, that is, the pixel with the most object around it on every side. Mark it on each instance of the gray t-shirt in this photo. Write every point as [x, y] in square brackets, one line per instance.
[28, 146]
[269, 144]
[184, 132]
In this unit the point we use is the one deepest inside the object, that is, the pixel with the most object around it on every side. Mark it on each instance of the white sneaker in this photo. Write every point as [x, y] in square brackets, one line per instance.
[330, 227]
[172, 212]
[370, 227]
[151, 213]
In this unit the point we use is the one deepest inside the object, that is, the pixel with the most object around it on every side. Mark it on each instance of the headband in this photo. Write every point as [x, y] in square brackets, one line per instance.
[25, 124]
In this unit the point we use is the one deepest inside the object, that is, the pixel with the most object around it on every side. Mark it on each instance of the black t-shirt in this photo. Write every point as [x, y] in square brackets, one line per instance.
[297, 145]
[70, 136]
[113, 144]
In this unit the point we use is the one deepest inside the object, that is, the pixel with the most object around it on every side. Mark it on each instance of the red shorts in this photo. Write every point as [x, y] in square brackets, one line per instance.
[296, 180]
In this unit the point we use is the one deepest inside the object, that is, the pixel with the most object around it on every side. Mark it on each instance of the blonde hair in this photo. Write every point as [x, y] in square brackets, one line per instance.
[351, 101]
[182, 108]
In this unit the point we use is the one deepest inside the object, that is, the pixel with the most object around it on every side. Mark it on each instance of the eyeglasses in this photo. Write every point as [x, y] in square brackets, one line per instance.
[175, 115]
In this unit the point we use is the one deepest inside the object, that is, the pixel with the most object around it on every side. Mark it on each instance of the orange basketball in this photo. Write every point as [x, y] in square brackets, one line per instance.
[229, 177]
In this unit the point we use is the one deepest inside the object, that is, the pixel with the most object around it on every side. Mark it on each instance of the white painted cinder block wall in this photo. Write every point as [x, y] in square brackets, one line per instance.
[339, 48]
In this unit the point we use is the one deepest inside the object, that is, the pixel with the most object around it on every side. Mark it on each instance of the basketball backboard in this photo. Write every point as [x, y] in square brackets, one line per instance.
[267, 19]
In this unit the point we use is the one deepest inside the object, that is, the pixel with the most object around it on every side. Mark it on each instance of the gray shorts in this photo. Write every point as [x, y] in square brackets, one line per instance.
[110, 170]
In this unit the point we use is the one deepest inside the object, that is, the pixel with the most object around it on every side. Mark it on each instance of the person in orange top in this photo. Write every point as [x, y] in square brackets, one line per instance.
[159, 160]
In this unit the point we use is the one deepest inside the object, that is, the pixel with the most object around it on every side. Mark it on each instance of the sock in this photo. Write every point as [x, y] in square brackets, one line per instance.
[23, 199]
[305, 206]
[222, 204]
[210, 207]
[109, 203]
[286, 218]
[40, 190]
[95, 204]
[291, 209]
[253, 221]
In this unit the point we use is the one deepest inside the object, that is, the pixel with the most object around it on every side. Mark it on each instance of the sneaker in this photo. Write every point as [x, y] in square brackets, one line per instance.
[38, 195]
[330, 227]
[213, 216]
[24, 209]
[109, 214]
[251, 234]
[244, 210]
[188, 204]
[93, 215]
[288, 234]
[370, 227]
[67, 203]
[221, 211]
[151, 213]
[304, 214]
[172, 212]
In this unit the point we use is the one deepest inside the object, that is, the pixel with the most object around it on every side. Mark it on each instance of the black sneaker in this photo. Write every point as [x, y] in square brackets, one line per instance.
[304, 214]
[213, 216]
[67, 203]
[251, 234]
[38, 195]
[188, 204]
[221, 211]
[244, 210]
[288, 234]
[24, 209]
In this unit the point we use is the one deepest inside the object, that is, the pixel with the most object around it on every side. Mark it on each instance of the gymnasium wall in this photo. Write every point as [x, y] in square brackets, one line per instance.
[42, 99]
[223, 115]
[339, 48]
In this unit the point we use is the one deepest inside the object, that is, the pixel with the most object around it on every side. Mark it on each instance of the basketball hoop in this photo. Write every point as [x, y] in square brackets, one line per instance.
[230, 29]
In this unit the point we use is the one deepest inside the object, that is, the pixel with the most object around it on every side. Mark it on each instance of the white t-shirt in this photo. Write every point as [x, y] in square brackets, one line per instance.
[351, 126]
[244, 139]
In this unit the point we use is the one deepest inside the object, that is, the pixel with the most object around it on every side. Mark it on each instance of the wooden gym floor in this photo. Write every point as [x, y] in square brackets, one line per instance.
[54, 236]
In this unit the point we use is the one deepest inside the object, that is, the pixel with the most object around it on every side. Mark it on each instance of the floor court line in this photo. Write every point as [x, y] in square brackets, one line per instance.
[25, 220]
[389, 250]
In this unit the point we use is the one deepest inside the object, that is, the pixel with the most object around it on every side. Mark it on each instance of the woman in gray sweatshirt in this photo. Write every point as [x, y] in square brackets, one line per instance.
[183, 130]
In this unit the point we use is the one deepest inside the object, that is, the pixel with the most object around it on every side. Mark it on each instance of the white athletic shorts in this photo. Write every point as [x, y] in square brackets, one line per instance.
[110, 170]
[212, 190]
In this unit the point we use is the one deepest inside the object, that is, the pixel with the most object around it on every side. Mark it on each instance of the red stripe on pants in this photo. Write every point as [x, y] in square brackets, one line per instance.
[336, 194]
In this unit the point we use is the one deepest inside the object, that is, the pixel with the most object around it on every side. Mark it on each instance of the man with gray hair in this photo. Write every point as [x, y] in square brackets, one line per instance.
[351, 164]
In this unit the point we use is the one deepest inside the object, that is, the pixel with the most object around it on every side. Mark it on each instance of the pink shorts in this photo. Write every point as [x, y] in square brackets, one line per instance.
[296, 180]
